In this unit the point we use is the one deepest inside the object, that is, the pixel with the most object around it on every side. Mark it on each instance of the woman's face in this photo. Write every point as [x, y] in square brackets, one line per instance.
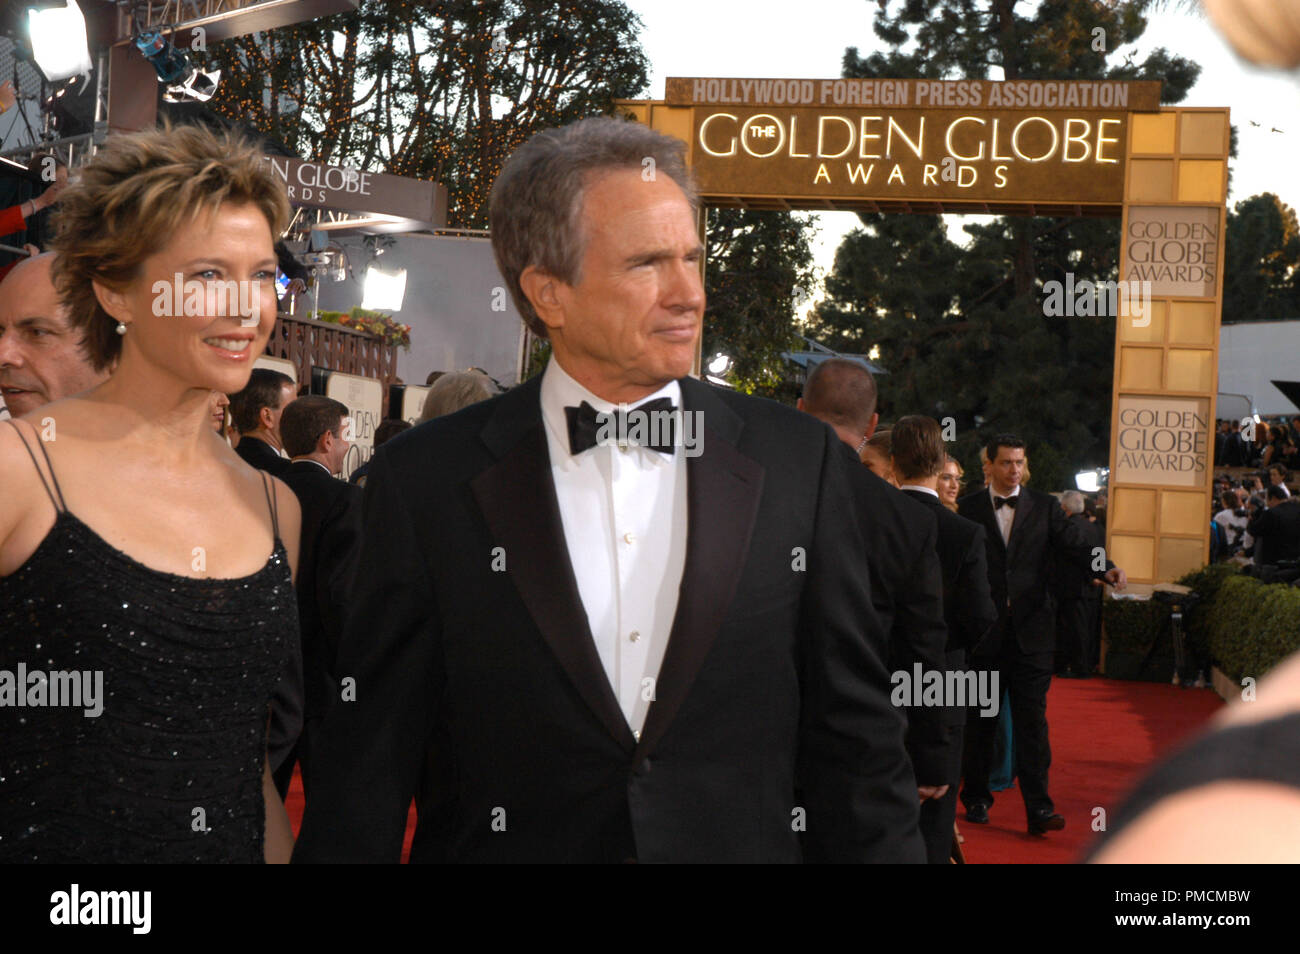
[217, 409]
[949, 480]
[203, 306]
[877, 463]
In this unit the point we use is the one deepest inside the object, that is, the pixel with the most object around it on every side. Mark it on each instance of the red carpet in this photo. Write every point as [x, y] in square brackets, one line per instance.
[1104, 734]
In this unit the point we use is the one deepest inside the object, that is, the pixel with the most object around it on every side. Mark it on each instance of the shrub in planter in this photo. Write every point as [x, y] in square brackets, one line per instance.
[1205, 582]
[1133, 627]
[1252, 626]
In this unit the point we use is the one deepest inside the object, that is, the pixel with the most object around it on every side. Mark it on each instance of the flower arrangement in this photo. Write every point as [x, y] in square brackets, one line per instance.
[373, 323]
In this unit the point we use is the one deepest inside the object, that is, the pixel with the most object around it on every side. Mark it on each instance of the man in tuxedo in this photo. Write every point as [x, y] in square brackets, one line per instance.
[41, 356]
[256, 413]
[313, 432]
[918, 454]
[1026, 530]
[906, 581]
[1077, 595]
[1276, 529]
[582, 648]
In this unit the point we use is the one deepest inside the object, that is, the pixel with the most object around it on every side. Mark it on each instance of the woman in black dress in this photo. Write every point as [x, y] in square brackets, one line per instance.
[145, 570]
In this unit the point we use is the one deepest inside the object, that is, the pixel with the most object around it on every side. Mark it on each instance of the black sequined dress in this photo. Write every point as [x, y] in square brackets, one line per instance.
[170, 769]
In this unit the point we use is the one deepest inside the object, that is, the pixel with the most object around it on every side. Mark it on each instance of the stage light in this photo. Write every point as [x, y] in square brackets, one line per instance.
[1087, 481]
[58, 35]
[384, 291]
[719, 364]
[198, 87]
[169, 63]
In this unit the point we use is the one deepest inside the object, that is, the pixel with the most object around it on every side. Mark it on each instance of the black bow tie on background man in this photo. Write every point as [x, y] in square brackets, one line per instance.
[1005, 502]
[585, 423]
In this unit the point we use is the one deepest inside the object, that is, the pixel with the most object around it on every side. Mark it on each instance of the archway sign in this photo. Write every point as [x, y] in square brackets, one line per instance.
[1028, 147]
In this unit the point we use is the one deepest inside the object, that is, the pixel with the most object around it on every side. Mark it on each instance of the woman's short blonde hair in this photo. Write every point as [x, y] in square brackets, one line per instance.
[128, 203]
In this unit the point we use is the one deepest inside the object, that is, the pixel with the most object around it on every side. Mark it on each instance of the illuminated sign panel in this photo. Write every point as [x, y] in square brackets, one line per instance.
[1161, 441]
[995, 155]
[1175, 249]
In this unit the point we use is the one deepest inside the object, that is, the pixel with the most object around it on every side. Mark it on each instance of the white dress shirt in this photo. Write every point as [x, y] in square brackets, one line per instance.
[920, 489]
[624, 516]
[1005, 516]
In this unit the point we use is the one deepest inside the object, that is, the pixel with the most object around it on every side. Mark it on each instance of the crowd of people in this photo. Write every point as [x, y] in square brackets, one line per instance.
[561, 648]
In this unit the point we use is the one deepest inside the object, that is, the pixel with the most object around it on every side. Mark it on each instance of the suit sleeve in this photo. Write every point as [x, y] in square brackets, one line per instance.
[976, 608]
[373, 740]
[854, 779]
[339, 540]
[1071, 543]
[919, 614]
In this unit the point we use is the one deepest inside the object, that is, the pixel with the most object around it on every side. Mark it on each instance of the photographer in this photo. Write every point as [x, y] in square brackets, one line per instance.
[1276, 528]
[1233, 518]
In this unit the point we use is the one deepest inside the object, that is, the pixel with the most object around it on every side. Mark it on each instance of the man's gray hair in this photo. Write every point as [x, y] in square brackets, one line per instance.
[535, 210]
[1072, 501]
[451, 392]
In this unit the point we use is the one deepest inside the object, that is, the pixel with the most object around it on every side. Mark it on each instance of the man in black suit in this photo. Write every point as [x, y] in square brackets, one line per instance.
[918, 454]
[256, 414]
[1276, 529]
[582, 635]
[314, 435]
[906, 582]
[1077, 596]
[1026, 530]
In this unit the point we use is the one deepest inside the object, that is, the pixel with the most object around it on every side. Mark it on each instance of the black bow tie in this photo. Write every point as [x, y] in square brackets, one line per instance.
[1005, 502]
[636, 424]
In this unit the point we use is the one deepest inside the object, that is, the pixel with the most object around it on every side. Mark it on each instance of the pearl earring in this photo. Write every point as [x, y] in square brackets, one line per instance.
[121, 328]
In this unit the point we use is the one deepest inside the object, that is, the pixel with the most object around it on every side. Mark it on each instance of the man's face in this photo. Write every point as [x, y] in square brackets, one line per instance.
[339, 450]
[1274, 477]
[217, 410]
[40, 355]
[630, 323]
[287, 394]
[1008, 468]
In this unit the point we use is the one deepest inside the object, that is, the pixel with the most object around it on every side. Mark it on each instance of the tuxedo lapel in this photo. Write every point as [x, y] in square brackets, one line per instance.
[1024, 504]
[723, 491]
[517, 497]
[984, 510]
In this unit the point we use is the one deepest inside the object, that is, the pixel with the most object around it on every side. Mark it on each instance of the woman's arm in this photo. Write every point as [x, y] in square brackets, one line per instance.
[278, 846]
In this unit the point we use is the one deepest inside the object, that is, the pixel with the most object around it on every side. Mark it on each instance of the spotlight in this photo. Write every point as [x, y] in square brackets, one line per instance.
[58, 35]
[719, 364]
[384, 291]
[185, 82]
[169, 63]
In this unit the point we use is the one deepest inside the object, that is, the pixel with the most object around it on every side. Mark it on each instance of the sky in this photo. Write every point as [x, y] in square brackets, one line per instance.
[737, 38]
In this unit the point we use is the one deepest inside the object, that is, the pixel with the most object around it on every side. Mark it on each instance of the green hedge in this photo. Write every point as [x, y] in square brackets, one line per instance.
[1244, 626]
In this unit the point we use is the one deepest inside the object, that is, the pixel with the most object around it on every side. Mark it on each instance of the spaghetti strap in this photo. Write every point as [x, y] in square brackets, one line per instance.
[271, 505]
[59, 504]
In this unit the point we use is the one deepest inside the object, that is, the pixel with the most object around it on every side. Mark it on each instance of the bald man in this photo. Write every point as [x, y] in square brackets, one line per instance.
[41, 359]
[906, 577]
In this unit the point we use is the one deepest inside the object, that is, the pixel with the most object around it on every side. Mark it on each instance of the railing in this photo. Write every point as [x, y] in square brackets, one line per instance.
[309, 343]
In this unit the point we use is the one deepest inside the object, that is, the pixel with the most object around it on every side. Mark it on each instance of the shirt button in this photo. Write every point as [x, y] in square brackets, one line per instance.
[636, 734]
[634, 635]
[629, 538]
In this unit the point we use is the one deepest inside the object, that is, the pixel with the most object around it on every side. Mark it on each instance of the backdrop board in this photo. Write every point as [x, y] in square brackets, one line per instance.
[282, 365]
[456, 303]
[1025, 147]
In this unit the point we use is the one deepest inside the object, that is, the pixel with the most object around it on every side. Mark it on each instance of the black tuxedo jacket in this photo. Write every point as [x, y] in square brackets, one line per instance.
[907, 591]
[258, 453]
[1021, 570]
[1075, 577]
[968, 603]
[770, 738]
[331, 529]
[1276, 532]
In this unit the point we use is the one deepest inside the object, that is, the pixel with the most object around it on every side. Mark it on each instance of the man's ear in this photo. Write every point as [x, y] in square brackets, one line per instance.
[875, 419]
[264, 418]
[112, 301]
[542, 289]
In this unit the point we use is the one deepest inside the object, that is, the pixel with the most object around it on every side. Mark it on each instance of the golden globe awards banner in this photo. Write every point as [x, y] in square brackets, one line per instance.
[1162, 441]
[364, 398]
[1173, 248]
